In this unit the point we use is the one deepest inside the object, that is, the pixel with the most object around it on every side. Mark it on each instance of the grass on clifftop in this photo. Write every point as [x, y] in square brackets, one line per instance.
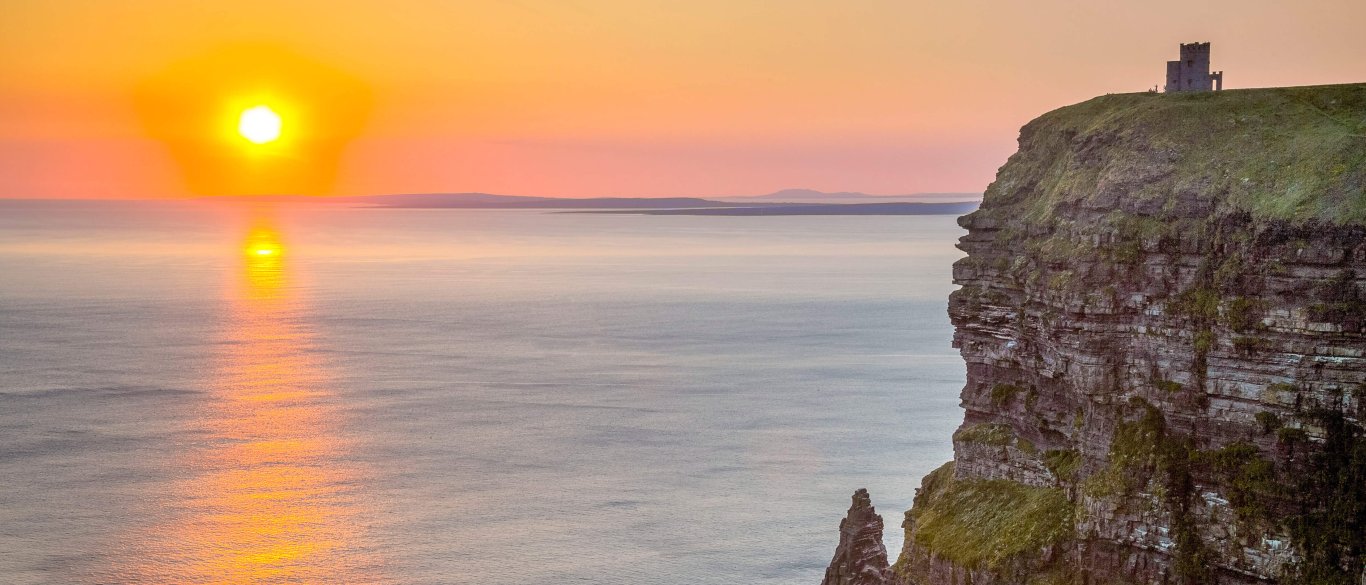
[986, 523]
[996, 435]
[1295, 153]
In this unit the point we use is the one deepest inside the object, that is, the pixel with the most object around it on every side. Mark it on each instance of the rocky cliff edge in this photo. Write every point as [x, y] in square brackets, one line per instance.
[1161, 312]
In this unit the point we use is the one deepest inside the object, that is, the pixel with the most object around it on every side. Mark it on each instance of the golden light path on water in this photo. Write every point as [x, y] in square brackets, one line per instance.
[271, 496]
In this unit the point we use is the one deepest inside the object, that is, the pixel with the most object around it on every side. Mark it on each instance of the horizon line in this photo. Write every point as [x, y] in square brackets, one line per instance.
[976, 195]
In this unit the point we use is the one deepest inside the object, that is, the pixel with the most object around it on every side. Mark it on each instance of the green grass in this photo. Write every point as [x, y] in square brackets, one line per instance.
[1063, 463]
[1242, 314]
[1269, 422]
[1282, 153]
[1134, 453]
[1168, 386]
[997, 435]
[1247, 345]
[1249, 479]
[987, 523]
[1002, 394]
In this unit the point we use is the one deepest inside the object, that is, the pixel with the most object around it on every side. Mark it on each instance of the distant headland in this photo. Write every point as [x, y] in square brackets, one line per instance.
[785, 202]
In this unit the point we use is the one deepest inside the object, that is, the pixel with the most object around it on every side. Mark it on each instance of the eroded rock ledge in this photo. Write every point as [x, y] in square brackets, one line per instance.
[1161, 311]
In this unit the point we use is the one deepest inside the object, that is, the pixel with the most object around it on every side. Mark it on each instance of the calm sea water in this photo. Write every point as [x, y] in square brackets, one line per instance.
[211, 393]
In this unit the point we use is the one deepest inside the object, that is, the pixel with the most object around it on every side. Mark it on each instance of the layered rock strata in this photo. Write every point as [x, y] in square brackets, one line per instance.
[860, 558]
[1161, 311]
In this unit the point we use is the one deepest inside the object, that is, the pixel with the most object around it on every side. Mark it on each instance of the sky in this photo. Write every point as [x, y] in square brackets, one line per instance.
[586, 98]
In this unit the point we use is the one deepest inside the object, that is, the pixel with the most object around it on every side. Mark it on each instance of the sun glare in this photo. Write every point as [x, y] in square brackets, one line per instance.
[264, 248]
[264, 255]
[259, 125]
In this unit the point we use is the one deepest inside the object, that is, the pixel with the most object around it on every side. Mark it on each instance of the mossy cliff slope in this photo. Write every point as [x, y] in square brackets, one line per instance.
[1162, 314]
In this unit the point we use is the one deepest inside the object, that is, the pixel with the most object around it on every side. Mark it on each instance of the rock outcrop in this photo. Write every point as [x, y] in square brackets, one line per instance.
[860, 558]
[1162, 312]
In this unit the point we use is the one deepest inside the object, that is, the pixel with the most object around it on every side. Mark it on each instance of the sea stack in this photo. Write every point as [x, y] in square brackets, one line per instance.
[860, 558]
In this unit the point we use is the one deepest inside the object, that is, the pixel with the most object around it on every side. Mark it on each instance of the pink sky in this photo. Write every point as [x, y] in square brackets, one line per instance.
[629, 97]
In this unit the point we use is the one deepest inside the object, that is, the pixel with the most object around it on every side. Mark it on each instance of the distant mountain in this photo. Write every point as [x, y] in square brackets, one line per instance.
[789, 198]
[488, 201]
[812, 194]
[897, 208]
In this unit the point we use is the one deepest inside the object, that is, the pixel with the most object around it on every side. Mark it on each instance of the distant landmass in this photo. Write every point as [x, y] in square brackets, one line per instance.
[898, 208]
[488, 201]
[811, 194]
[786, 202]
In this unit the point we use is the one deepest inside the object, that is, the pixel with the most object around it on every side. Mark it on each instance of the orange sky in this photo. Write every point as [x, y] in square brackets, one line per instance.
[622, 97]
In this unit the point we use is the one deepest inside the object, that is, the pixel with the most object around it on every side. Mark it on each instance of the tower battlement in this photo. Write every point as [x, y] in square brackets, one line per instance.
[1191, 72]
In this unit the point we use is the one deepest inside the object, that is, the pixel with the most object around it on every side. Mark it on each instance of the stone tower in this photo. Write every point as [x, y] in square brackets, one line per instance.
[1192, 72]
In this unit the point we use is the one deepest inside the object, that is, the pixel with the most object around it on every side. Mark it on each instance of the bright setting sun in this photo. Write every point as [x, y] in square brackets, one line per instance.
[259, 125]
[774, 292]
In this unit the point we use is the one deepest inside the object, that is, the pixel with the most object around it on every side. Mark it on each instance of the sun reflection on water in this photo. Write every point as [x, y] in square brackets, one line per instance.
[271, 496]
[263, 264]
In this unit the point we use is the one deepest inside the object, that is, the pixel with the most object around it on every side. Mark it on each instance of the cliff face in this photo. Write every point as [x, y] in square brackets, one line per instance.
[1162, 312]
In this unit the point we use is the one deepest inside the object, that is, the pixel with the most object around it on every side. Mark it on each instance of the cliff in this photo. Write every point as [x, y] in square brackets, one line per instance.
[1161, 312]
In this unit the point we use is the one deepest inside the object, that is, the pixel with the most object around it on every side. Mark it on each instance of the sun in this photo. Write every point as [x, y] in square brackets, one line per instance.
[259, 125]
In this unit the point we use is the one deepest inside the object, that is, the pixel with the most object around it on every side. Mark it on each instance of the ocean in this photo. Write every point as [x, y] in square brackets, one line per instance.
[215, 392]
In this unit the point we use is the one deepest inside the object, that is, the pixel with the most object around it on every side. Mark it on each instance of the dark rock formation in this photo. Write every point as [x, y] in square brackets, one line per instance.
[1163, 315]
[860, 558]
